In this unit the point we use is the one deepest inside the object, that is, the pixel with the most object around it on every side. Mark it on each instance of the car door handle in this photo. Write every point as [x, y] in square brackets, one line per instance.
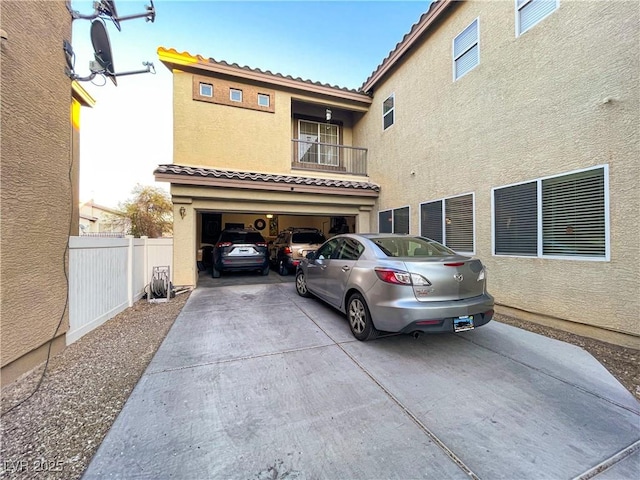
[346, 268]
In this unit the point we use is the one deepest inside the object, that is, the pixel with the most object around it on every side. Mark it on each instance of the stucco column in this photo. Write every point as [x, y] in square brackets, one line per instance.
[363, 220]
[184, 234]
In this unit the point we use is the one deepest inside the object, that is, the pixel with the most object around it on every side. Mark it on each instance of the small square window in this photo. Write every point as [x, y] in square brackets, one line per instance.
[263, 100]
[235, 95]
[206, 90]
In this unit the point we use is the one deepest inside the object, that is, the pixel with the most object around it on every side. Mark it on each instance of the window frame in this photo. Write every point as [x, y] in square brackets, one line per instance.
[393, 226]
[391, 111]
[467, 50]
[443, 227]
[521, 5]
[204, 84]
[267, 96]
[235, 90]
[539, 218]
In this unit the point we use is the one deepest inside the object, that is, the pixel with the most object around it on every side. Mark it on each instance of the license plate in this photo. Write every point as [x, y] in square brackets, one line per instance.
[243, 251]
[462, 324]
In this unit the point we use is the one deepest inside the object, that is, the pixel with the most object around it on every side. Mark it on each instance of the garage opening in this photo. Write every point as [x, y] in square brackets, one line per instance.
[211, 224]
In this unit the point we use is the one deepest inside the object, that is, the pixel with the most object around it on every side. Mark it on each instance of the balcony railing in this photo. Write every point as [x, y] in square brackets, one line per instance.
[328, 157]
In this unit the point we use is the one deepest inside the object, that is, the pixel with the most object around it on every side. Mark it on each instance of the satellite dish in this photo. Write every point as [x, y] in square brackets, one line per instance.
[102, 50]
[108, 8]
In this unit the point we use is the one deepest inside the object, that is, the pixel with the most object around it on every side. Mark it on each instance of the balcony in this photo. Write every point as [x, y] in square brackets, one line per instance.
[328, 157]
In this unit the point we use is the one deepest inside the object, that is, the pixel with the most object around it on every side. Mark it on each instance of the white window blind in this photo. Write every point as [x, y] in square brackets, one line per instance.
[450, 222]
[466, 50]
[459, 223]
[561, 216]
[516, 220]
[388, 112]
[573, 214]
[431, 221]
[530, 12]
[385, 222]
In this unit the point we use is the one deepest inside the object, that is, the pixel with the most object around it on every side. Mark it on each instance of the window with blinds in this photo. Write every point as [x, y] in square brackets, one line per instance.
[530, 12]
[388, 112]
[562, 216]
[573, 215]
[516, 219]
[450, 222]
[466, 52]
[385, 221]
[401, 220]
[394, 221]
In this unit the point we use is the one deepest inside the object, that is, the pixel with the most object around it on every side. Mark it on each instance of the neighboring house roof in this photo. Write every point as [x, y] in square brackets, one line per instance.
[173, 59]
[178, 174]
[92, 205]
[436, 9]
[81, 95]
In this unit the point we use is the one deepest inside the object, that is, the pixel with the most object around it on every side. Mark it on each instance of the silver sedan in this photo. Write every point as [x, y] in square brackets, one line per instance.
[397, 283]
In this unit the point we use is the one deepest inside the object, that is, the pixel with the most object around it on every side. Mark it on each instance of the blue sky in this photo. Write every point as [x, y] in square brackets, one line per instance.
[129, 131]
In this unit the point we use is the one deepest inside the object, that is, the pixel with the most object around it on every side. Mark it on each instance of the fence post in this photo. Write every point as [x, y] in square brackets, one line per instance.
[130, 269]
[147, 277]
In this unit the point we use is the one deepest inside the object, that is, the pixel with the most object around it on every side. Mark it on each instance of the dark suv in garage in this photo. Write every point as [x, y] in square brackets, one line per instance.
[292, 245]
[240, 249]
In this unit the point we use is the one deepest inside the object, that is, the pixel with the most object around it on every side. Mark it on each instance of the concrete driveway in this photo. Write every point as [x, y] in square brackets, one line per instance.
[254, 382]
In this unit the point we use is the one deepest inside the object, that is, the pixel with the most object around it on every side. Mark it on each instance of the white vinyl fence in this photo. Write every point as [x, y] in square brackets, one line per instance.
[107, 275]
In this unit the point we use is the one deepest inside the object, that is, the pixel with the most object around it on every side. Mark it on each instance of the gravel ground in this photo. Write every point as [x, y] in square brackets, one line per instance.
[55, 433]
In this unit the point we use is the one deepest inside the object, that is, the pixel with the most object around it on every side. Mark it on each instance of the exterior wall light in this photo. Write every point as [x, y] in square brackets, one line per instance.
[269, 215]
[183, 212]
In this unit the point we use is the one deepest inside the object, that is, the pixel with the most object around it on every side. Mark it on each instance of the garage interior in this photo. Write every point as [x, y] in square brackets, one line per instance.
[211, 223]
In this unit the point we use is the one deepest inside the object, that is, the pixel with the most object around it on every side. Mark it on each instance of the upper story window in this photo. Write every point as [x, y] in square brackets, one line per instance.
[394, 221]
[206, 89]
[466, 50]
[235, 95]
[565, 216]
[264, 100]
[450, 221]
[530, 12]
[388, 112]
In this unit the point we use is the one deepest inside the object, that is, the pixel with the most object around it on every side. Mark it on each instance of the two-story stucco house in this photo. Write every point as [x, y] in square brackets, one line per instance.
[508, 130]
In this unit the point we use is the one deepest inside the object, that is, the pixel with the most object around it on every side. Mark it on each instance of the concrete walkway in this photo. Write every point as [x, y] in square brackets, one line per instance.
[254, 382]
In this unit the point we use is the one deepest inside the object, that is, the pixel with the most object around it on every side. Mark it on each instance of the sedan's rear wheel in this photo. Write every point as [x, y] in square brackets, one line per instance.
[360, 319]
[301, 285]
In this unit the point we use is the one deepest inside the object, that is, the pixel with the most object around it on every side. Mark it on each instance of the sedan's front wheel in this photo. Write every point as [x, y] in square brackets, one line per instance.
[301, 285]
[360, 319]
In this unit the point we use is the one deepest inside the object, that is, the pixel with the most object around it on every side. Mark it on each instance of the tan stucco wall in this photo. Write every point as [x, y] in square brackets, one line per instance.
[36, 192]
[222, 136]
[251, 205]
[535, 106]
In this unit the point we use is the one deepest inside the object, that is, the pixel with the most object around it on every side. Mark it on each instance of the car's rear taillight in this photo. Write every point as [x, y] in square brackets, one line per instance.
[456, 264]
[223, 244]
[287, 250]
[399, 277]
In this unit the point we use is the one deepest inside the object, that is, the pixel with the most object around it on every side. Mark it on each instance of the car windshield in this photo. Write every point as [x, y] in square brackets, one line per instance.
[241, 237]
[411, 247]
[307, 237]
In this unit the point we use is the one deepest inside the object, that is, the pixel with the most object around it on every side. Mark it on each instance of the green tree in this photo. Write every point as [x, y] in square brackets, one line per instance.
[149, 212]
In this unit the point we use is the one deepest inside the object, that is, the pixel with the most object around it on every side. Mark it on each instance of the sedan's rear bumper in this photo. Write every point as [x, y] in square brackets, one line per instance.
[242, 263]
[407, 315]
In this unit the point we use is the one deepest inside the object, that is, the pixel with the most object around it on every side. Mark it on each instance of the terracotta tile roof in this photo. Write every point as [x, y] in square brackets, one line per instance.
[171, 55]
[288, 180]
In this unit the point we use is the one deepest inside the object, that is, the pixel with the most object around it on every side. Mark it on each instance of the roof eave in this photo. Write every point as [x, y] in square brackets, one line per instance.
[172, 60]
[409, 41]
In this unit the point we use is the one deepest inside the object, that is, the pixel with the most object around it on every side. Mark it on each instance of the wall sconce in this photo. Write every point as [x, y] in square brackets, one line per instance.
[269, 216]
[183, 212]
[328, 114]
